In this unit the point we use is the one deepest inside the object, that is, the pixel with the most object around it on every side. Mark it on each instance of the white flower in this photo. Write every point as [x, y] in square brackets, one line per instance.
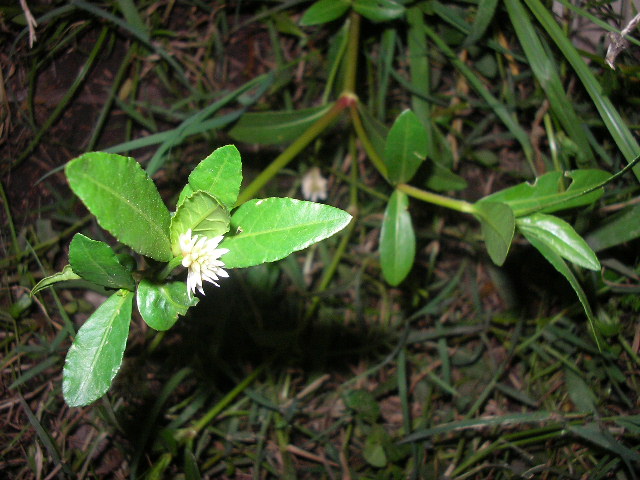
[314, 185]
[201, 256]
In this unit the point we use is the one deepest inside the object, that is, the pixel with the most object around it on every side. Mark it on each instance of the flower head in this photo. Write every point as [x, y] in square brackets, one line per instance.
[201, 256]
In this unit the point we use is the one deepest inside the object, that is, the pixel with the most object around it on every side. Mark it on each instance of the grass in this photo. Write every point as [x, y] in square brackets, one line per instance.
[314, 367]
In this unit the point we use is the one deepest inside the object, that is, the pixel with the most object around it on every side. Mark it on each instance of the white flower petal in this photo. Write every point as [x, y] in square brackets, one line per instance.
[202, 257]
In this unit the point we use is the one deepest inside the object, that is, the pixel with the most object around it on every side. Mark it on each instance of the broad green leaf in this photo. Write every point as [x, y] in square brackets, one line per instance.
[379, 10]
[66, 274]
[620, 228]
[324, 11]
[373, 450]
[272, 128]
[201, 213]
[560, 237]
[560, 265]
[580, 393]
[124, 200]
[160, 304]
[405, 148]
[547, 194]
[96, 353]
[220, 174]
[498, 225]
[397, 240]
[270, 229]
[442, 179]
[364, 404]
[95, 261]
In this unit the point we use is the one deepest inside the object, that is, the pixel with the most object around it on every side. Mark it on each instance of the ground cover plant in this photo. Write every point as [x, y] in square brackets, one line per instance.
[473, 315]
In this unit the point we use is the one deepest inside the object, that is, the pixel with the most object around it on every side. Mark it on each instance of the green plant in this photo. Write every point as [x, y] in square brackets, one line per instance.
[127, 204]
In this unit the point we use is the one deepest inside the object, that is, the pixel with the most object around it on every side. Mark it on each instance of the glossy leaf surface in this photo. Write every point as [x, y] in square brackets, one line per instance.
[397, 240]
[379, 10]
[405, 148]
[324, 11]
[560, 237]
[561, 266]
[95, 261]
[201, 213]
[160, 304]
[220, 174]
[124, 200]
[96, 353]
[547, 194]
[498, 225]
[272, 128]
[66, 274]
[272, 228]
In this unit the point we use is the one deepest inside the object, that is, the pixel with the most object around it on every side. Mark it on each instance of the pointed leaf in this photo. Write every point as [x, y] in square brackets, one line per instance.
[66, 274]
[160, 304]
[96, 354]
[406, 147]
[272, 228]
[324, 11]
[220, 174]
[561, 237]
[272, 128]
[560, 265]
[397, 240]
[547, 194]
[124, 200]
[379, 10]
[616, 229]
[498, 225]
[201, 213]
[96, 262]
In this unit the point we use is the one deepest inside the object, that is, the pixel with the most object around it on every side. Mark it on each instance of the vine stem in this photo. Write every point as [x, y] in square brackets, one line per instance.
[434, 198]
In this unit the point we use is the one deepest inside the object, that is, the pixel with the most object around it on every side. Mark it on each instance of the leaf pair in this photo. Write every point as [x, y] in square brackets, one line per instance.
[324, 11]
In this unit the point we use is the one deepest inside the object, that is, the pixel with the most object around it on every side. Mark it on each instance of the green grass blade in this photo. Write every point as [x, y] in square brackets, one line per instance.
[613, 121]
[545, 71]
[493, 103]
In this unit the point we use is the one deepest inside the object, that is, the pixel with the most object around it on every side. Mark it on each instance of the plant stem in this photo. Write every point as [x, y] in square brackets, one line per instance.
[366, 143]
[294, 149]
[169, 267]
[352, 53]
[434, 198]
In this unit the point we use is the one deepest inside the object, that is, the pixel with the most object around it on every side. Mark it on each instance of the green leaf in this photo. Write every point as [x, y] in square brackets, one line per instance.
[220, 174]
[66, 274]
[201, 213]
[397, 240]
[546, 70]
[561, 237]
[364, 404]
[483, 17]
[547, 194]
[379, 10]
[620, 228]
[560, 265]
[581, 395]
[324, 11]
[498, 225]
[96, 354]
[272, 228]
[405, 148]
[442, 179]
[272, 128]
[160, 304]
[124, 200]
[95, 261]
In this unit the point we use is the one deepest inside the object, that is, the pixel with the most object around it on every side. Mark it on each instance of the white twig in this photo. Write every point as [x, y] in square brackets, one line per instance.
[31, 22]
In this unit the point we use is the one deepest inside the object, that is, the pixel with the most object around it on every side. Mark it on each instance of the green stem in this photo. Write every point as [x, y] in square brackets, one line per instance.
[366, 143]
[295, 148]
[352, 53]
[434, 198]
[191, 432]
[169, 267]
